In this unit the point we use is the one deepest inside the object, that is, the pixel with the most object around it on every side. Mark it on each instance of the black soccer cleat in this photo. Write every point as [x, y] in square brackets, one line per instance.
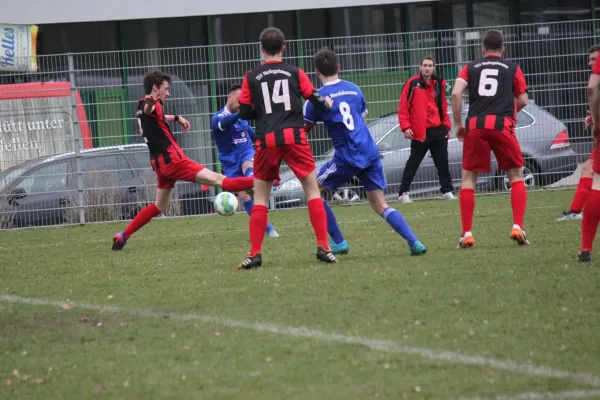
[251, 262]
[326, 256]
[585, 256]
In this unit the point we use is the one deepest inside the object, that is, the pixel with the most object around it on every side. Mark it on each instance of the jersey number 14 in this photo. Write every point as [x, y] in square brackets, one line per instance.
[281, 95]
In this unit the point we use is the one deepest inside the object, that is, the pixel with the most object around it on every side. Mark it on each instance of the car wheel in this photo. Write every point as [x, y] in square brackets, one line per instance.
[347, 195]
[531, 176]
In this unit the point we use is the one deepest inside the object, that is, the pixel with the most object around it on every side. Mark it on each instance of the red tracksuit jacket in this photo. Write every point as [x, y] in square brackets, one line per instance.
[419, 106]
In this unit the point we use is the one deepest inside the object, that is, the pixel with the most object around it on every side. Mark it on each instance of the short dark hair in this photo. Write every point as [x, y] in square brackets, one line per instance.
[493, 40]
[234, 87]
[430, 58]
[155, 77]
[326, 62]
[594, 48]
[272, 40]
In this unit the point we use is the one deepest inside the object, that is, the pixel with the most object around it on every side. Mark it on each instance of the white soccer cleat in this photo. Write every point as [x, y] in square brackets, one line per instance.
[272, 233]
[448, 196]
[569, 216]
[405, 198]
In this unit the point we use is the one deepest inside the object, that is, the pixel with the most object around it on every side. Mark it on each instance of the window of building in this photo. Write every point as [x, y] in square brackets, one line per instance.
[539, 11]
[494, 13]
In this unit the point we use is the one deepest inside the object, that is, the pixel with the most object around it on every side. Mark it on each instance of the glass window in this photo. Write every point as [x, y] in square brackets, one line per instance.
[114, 165]
[420, 17]
[535, 11]
[491, 13]
[50, 178]
[524, 119]
[459, 15]
[312, 24]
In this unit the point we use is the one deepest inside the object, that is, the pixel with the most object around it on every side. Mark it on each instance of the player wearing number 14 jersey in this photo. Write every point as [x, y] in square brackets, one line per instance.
[272, 95]
[493, 83]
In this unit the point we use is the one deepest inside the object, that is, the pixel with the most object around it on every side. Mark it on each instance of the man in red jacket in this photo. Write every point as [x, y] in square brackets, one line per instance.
[423, 115]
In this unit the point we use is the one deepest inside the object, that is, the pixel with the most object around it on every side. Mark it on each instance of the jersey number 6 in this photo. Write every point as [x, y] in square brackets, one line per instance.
[281, 95]
[488, 84]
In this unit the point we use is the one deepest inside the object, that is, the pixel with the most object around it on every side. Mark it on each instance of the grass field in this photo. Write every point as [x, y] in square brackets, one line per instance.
[182, 323]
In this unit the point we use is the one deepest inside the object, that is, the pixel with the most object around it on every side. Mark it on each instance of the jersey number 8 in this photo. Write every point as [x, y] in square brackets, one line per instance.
[281, 95]
[488, 84]
[346, 115]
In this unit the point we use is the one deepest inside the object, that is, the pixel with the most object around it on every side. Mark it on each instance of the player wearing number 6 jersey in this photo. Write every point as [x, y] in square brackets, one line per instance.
[272, 95]
[355, 154]
[493, 84]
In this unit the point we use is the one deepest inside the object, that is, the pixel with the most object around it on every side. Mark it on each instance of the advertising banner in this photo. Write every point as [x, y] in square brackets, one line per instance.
[18, 48]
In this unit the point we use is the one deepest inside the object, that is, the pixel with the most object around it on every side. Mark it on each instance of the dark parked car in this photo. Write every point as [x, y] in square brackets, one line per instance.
[117, 182]
[544, 141]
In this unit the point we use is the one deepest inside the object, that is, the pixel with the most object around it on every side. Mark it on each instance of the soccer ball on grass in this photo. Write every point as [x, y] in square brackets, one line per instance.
[226, 204]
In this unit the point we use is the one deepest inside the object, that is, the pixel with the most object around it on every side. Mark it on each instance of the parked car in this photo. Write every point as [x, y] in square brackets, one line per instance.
[44, 191]
[544, 141]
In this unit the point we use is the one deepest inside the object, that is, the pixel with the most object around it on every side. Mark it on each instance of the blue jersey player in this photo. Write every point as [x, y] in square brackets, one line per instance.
[356, 153]
[233, 137]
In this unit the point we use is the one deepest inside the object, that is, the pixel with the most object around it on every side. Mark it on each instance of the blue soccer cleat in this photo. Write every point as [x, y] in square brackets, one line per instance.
[342, 248]
[417, 249]
[119, 241]
[272, 233]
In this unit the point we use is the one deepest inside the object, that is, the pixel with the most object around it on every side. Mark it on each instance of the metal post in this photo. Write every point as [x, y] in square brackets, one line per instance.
[76, 131]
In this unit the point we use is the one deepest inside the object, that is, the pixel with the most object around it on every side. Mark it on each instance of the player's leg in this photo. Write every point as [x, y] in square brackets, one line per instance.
[163, 198]
[373, 180]
[476, 159]
[510, 159]
[300, 160]
[247, 169]
[583, 189]
[330, 177]
[439, 152]
[267, 162]
[418, 150]
[591, 216]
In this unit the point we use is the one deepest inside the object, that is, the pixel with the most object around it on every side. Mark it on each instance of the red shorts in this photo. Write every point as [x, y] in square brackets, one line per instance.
[478, 144]
[298, 157]
[183, 169]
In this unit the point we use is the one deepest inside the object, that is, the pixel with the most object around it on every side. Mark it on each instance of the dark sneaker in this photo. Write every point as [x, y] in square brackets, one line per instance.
[251, 262]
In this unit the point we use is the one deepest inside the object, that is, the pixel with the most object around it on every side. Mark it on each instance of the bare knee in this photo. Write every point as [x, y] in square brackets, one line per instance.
[162, 205]
[243, 196]
[469, 179]
[377, 201]
[587, 169]
[515, 175]
[311, 186]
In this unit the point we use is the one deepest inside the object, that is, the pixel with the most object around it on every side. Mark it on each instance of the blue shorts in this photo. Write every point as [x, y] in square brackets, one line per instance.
[233, 168]
[336, 173]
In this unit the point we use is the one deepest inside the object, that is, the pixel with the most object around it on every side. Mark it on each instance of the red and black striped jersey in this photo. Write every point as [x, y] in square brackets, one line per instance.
[493, 83]
[275, 91]
[157, 134]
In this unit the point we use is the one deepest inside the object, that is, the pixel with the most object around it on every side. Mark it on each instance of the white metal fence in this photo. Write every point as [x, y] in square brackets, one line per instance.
[70, 151]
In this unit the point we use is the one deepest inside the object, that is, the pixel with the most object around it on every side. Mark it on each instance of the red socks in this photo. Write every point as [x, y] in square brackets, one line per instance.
[518, 201]
[583, 189]
[258, 227]
[467, 208]
[591, 218]
[237, 184]
[318, 219]
[141, 219]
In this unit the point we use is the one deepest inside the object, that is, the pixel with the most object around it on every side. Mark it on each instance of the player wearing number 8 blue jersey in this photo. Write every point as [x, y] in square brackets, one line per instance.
[356, 153]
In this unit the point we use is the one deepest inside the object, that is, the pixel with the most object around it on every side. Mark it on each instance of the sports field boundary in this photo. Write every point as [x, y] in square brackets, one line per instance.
[387, 346]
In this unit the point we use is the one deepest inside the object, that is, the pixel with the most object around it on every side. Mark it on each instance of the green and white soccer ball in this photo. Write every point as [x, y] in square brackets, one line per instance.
[226, 204]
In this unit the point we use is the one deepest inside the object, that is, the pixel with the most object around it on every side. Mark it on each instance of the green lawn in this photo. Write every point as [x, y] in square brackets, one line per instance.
[185, 324]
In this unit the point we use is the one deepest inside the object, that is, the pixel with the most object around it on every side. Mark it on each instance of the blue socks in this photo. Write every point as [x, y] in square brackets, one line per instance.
[332, 226]
[249, 171]
[248, 206]
[399, 224]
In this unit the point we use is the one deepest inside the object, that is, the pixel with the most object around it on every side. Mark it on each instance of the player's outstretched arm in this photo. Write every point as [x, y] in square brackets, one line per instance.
[311, 94]
[180, 120]
[227, 120]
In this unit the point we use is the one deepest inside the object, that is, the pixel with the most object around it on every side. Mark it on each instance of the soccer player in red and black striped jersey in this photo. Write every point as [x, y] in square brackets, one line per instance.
[493, 85]
[168, 160]
[272, 95]
[591, 215]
